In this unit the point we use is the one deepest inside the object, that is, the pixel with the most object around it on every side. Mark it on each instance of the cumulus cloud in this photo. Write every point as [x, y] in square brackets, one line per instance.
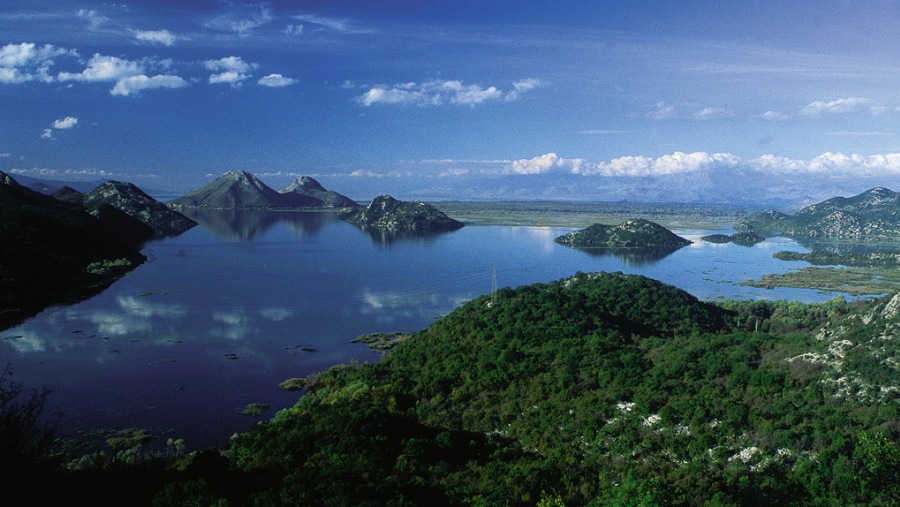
[276, 80]
[133, 85]
[436, 93]
[65, 123]
[676, 163]
[546, 163]
[231, 70]
[520, 87]
[844, 105]
[61, 124]
[24, 62]
[104, 68]
[164, 37]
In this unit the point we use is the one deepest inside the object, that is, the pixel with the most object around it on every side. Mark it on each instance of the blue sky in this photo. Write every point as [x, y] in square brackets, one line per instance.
[459, 99]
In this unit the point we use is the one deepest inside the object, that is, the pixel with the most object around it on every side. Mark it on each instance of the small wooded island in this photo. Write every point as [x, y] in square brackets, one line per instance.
[387, 213]
[635, 233]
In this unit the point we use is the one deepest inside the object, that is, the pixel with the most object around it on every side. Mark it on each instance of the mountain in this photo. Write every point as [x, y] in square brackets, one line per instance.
[50, 252]
[131, 200]
[232, 190]
[309, 187]
[242, 190]
[871, 215]
[385, 212]
[635, 233]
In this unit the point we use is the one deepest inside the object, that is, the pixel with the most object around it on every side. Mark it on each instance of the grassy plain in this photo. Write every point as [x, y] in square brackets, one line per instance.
[581, 214]
[855, 281]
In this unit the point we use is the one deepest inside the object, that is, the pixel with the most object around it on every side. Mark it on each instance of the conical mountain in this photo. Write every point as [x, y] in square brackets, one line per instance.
[308, 187]
[232, 190]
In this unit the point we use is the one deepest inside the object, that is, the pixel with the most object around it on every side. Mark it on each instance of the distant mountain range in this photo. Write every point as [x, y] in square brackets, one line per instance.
[871, 215]
[242, 190]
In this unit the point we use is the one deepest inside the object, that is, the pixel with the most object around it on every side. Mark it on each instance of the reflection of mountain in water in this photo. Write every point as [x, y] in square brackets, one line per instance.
[238, 225]
[632, 256]
[389, 236]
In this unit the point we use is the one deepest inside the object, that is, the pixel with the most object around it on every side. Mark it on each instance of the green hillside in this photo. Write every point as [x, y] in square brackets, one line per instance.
[599, 389]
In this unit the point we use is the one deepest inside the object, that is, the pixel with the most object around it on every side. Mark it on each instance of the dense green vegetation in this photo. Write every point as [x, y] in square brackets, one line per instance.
[600, 389]
[634, 233]
[746, 238]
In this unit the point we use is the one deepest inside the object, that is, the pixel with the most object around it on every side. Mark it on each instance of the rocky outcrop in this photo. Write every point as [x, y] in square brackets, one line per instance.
[635, 233]
[132, 201]
[872, 215]
[387, 213]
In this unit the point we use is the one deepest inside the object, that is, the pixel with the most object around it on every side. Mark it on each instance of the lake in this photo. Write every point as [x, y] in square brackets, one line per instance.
[219, 316]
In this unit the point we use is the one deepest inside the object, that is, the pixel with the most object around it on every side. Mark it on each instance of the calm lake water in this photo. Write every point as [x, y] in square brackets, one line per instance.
[220, 315]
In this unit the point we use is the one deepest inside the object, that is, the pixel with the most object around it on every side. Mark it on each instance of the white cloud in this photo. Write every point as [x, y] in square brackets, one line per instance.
[233, 69]
[104, 68]
[713, 113]
[334, 24]
[133, 85]
[845, 105]
[242, 19]
[676, 163]
[520, 87]
[61, 124]
[293, 30]
[546, 163]
[65, 123]
[94, 18]
[774, 116]
[163, 37]
[436, 93]
[663, 111]
[276, 80]
[24, 62]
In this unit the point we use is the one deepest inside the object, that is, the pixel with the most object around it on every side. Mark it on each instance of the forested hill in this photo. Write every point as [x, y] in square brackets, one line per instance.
[604, 389]
[599, 389]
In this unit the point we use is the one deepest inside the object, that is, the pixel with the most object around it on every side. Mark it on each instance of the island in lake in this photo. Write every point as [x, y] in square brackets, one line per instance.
[387, 213]
[636, 233]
